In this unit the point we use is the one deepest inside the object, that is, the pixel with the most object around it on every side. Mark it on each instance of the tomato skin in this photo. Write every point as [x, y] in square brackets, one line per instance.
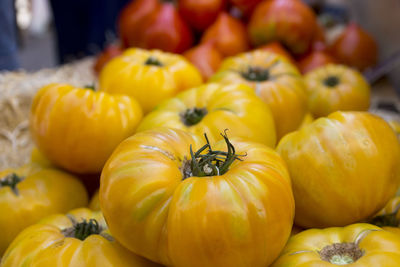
[276, 47]
[229, 35]
[165, 29]
[234, 107]
[308, 119]
[77, 129]
[356, 48]
[205, 57]
[334, 162]
[128, 74]
[104, 57]
[291, 22]
[284, 90]
[44, 244]
[200, 14]
[379, 247]
[95, 202]
[315, 60]
[42, 192]
[227, 220]
[352, 92]
[132, 18]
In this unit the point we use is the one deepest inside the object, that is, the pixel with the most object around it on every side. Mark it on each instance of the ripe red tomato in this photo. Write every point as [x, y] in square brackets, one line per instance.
[229, 34]
[356, 48]
[314, 60]
[277, 48]
[104, 57]
[200, 13]
[206, 58]
[131, 19]
[291, 22]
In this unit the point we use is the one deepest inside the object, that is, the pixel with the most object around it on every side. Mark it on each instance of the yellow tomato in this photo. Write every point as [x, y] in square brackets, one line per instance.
[31, 193]
[95, 201]
[276, 81]
[357, 245]
[78, 128]
[195, 209]
[395, 124]
[389, 217]
[78, 239]
[308, 119]
[344, 168]
[148, 76]
[38, 158]
[336, 87]
[212, 108]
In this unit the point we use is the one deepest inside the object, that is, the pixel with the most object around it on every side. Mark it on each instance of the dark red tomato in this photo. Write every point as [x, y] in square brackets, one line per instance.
[277, 48]
[290, 22]
[131, 19]
[229, 34]
[314, 60]
[206, 58]
[166, 30]
[104, 57]
[355, 48]
[200, 13]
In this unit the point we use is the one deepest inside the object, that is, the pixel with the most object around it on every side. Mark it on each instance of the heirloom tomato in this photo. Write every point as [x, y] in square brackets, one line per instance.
[180, 201]
[38, 158]
[336, 87]
[77, 128]
[389, 217]
[277, 82]
[30, 193]
[315, 60]
[308, 119]
[355, 48]
[132, 18]
[200, 13]
[148, 76]
[206, 57]
[165, 29]
[212, 108]
[95, 201]
[291, 22]
[229, 34]
[276, 47]
[79, 238]
[344, 168]
[357, 245]
[104, 57]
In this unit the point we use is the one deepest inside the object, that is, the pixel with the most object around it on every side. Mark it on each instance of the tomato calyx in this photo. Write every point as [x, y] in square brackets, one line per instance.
[331, 81]
[341, 253]
[91, 87]
[386, 220]
[11, 180]
[152, 61]
[256, 74]
[214, 162]
[82, 230]
[192, 116]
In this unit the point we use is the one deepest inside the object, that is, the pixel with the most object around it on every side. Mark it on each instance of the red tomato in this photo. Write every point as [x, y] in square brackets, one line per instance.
[229, 34]
[166, 30]
[314, 60]
[206, 58]
[277, 48]
[131, 18]
[356, 48]
[109, 53]
[291, 22]
[200, 13]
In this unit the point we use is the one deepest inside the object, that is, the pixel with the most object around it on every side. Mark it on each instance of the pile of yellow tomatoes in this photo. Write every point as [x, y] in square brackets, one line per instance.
[259, 166]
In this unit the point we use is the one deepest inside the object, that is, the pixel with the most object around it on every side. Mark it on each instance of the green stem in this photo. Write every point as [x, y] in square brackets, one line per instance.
[91, 87]
[153, 61]
[331, 81]
[83, 230]
[193, 116]
[11, 180]
[256, 74]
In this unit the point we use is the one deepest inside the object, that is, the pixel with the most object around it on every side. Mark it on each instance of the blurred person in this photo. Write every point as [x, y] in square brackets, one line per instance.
[8, 36]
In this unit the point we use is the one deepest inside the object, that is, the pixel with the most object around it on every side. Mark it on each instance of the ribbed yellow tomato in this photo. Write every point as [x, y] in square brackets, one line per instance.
[95, 202]
[78, 128]
[276, 81]
[344, 168]
[195, 209]
[357, 245]
[148, 76]
[308, 118]
[336, 87]
[30, 193]
[78, 239]
[212, 108]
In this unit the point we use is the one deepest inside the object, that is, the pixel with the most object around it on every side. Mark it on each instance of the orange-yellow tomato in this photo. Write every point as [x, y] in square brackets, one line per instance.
[95, 201]
[212, 108]
[172, 207]
[30, 193]
[38, 158]
[275, 80]
[77, 129]
[80, 238]
[357, 245]
[148, 76]
[335, 163]
[336, 87]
